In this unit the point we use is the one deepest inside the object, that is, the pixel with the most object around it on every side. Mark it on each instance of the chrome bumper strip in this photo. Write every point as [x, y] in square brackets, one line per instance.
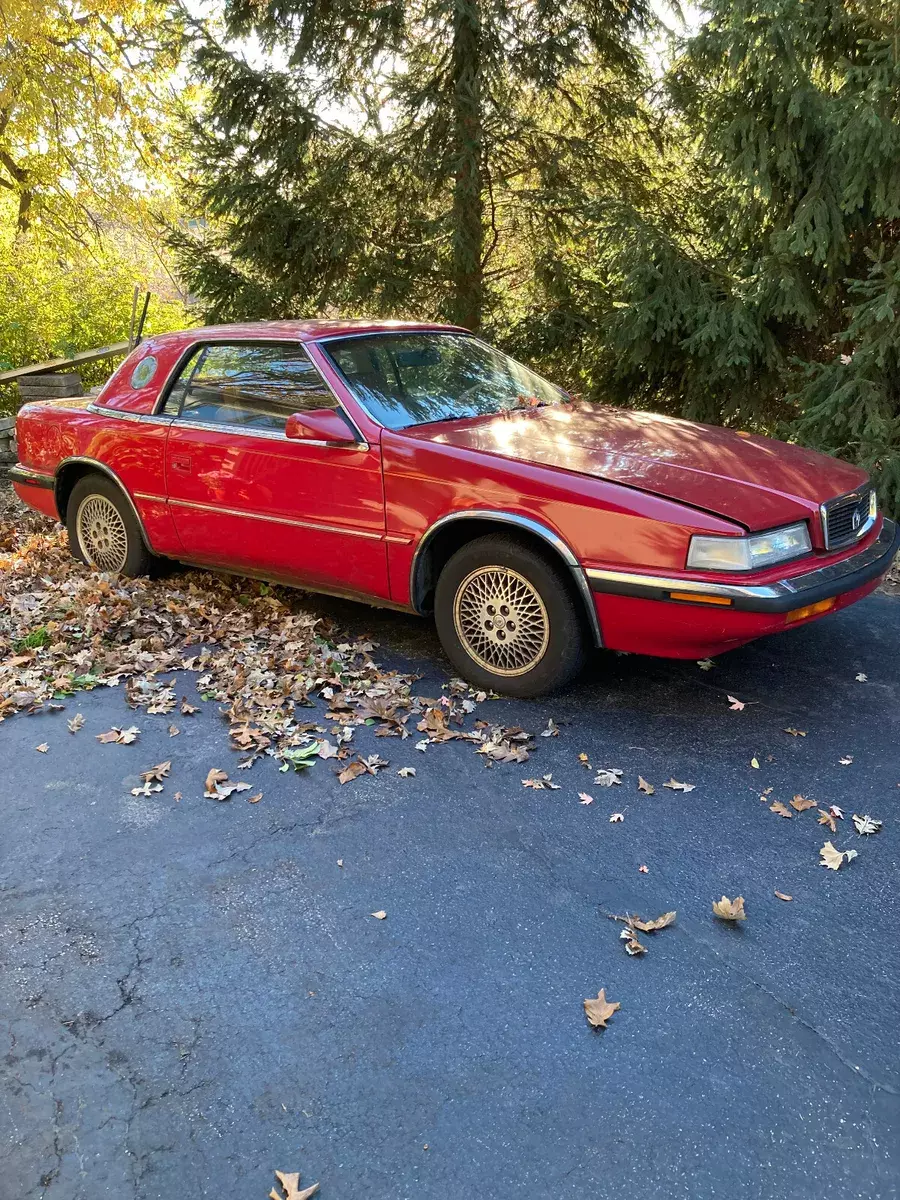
[781, 596]
[20, 474]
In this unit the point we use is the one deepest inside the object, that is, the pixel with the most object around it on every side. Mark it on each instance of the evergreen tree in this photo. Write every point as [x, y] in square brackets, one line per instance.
[759, 285]
[401, 157]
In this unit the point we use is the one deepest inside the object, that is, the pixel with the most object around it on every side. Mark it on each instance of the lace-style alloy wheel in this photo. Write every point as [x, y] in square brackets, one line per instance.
[103, 529]
[101, 534]
[508, 618]
[501, 620]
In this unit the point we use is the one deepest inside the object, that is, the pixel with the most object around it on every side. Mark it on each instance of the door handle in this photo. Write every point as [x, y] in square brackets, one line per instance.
[180, 462]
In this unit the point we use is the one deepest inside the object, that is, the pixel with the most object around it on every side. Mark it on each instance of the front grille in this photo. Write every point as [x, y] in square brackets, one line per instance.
[845, 518]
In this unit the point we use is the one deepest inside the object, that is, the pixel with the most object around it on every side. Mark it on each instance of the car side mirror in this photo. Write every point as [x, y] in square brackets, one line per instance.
[319, 425]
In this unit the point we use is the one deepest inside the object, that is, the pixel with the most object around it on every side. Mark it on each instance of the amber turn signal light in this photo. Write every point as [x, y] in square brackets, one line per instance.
[700, 598]
[811, 610]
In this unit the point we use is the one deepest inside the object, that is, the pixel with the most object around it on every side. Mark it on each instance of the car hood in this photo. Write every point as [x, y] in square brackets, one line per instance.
[756, 481]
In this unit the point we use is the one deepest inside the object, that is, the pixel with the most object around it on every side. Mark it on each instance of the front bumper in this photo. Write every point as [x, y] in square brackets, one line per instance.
[780, 596]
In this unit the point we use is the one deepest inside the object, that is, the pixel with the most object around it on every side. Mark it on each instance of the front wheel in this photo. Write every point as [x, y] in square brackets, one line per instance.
[103, 531]
[507, 619]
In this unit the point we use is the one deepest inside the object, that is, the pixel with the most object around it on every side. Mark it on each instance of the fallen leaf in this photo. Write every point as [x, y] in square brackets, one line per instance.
[617, 817]
[783, 895]
[352, 771]
[188, 710]
[705, 664]
[846, 760]
[836, 812]
[645, 787]
[328, 749]
[632, 945]
[406, 772]
[584, 798]
[779, 808]
[42, 748]
[754, 763]
[644, 870]
[862, 677]
[177, 796]
[607, 777]
[423, 745]
[290, 1183]
[546, 781]
[801, 804]
[215, 776]
[552, 729]
[679, 787]
[730, 910]
[583, 759]
[121, 737]
[735, 705]
[662, 922]
[380, 915]
[825, 818]
[147, 788]
[174, 731]
[255, 799]
[600, 1010]
[834, 858]
[76, 723]
[340, 862]
[795, 732]
[160, 771]
[866, 824]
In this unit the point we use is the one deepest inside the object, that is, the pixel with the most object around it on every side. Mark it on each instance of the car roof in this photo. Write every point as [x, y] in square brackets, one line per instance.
[303, 331]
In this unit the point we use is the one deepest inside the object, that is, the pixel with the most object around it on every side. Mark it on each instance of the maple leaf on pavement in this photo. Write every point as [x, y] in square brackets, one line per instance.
[76, 723]
[730, 910]
[42, 748]
[616, 817]
[736, 705]
[825, 818]
[600, 1010]
[834, 858]
[584, 798]
[779, 808]
[795, 732]
[643, 786]
[290, 1185]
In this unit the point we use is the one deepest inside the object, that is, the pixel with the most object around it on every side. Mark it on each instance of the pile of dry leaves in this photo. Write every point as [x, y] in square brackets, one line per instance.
[256, 651]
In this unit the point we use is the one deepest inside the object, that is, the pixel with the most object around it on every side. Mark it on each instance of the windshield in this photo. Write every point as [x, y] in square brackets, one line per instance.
[404, 379]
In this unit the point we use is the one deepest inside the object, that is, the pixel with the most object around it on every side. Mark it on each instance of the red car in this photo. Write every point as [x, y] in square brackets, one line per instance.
[412, 465]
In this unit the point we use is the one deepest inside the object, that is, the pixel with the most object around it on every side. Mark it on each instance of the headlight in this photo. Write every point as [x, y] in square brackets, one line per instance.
[748, 553]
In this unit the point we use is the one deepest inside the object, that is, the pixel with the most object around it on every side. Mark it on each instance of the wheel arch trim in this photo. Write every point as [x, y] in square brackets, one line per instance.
[94, 465]
[518, 520]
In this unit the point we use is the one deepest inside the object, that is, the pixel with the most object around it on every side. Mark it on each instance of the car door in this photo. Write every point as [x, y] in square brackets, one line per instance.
[244, 496]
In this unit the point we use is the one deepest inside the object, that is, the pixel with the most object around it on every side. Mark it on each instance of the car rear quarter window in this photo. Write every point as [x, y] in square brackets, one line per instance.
[247, 385]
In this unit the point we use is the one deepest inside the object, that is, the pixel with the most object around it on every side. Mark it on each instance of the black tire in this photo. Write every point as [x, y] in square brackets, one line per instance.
[556, 627]
[136, 559]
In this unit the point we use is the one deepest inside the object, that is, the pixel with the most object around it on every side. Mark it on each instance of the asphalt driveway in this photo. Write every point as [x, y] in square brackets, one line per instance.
[193, 994]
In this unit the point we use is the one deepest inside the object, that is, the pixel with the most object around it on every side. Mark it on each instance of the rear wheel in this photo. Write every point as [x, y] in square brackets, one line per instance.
[103, 531]
[507, 619]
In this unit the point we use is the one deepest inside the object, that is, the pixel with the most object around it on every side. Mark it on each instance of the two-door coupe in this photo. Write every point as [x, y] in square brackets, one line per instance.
[412, 465]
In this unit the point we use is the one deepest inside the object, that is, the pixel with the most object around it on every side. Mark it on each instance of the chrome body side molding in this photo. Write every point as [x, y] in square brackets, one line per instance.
[521, 522]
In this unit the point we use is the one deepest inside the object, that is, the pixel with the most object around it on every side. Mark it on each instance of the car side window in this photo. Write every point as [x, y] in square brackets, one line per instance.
[247, 385]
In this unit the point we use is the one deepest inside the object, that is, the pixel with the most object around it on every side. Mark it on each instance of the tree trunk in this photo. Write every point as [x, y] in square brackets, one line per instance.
[468, 205]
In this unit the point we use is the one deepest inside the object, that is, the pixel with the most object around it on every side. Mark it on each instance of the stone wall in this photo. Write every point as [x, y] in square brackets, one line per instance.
[7, 442]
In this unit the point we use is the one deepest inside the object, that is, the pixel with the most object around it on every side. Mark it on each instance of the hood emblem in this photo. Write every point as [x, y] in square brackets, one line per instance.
[857, 520]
